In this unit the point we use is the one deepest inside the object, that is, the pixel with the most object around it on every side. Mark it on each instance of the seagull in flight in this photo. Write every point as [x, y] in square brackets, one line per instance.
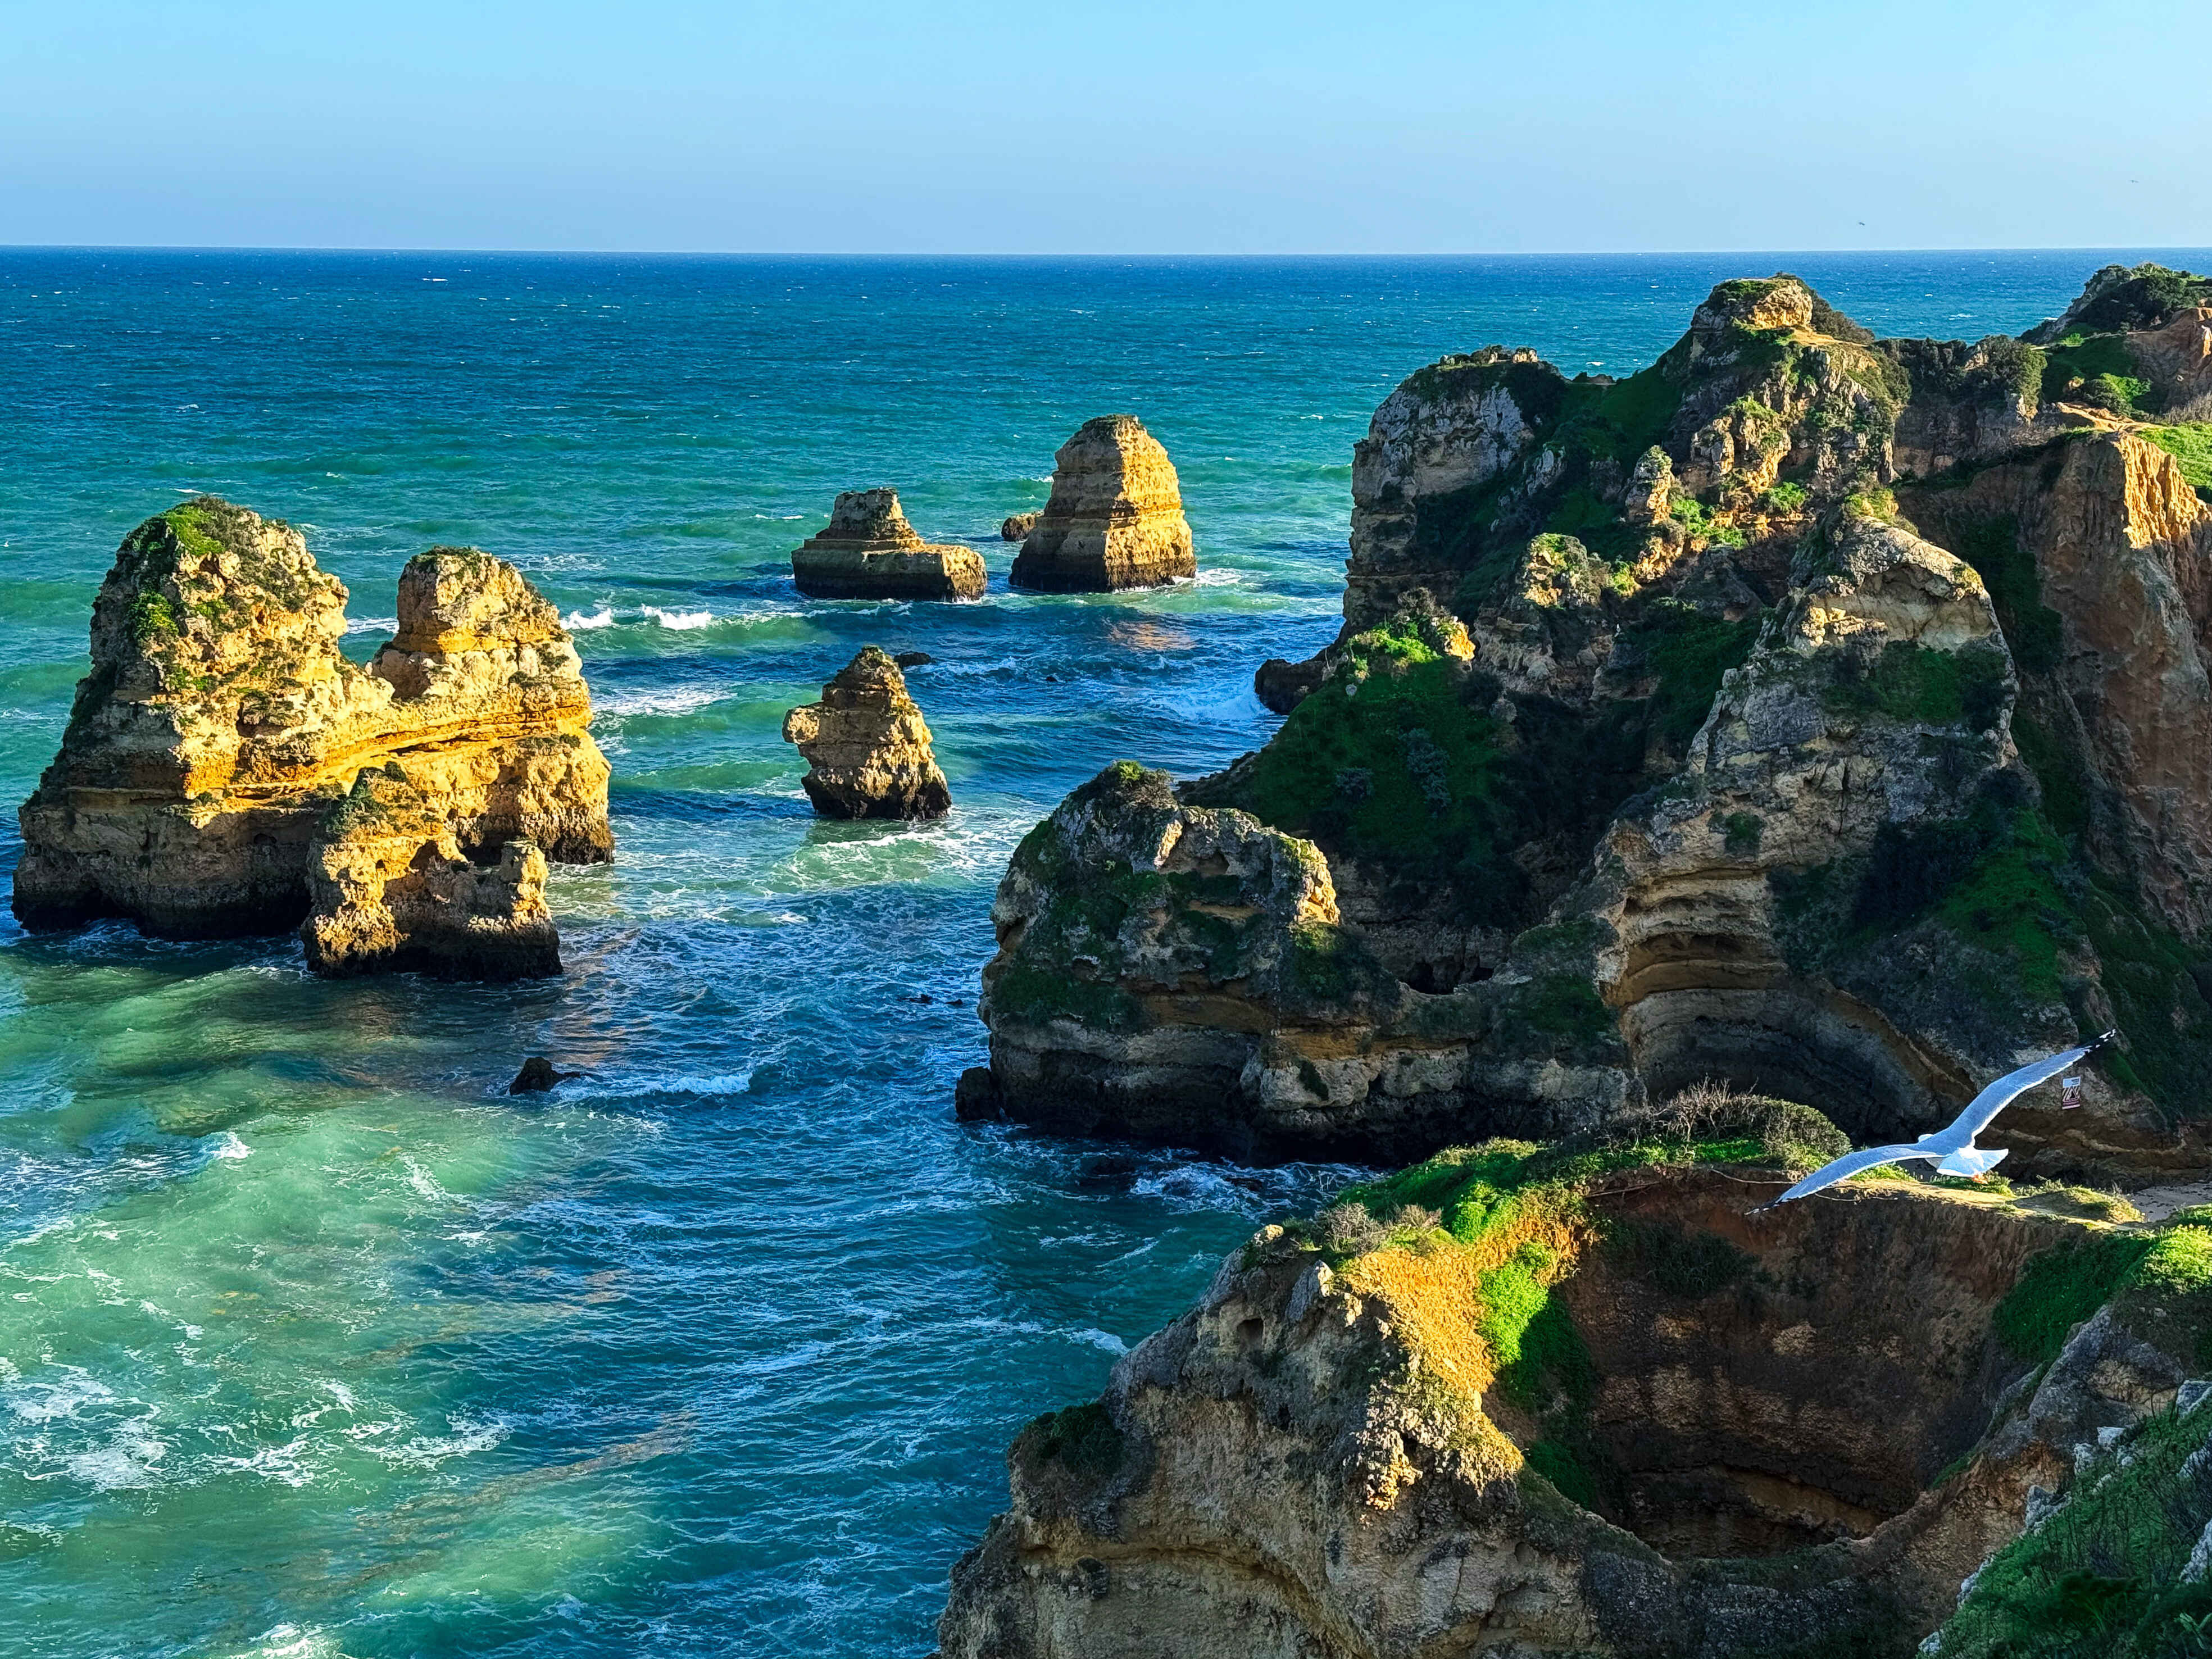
[1952, 1149]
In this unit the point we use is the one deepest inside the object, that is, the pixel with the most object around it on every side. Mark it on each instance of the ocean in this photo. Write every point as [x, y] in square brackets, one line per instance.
[313, 1342]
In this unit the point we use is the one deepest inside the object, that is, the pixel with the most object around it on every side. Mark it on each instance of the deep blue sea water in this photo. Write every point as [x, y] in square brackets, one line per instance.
[312, 1343]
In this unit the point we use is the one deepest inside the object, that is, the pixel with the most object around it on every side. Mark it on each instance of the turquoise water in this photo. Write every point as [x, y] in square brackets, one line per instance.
[311, 1342]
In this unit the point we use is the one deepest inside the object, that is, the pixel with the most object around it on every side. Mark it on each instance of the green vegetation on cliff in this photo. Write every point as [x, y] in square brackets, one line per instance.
[2099, 369]
[2102, 1577]
[2191, 444]
[1387, 760]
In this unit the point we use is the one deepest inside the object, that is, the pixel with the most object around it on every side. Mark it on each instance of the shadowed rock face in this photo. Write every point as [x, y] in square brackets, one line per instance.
[869, 551]
[221, 726]
[1114, 517]
[1317, 1460]
[866, 747]
[1815, 712]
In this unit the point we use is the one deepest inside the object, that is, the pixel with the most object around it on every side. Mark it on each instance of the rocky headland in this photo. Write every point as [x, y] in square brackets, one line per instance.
[869, 551]
[226, 770]
[1572, 1398]
[1114, 519]
[1815, 713]
[866, 747]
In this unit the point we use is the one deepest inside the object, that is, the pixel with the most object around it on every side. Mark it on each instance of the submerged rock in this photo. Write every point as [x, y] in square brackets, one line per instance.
[866, 747]
[220, 728]
[1115, 518]
[1574, 1400]
[869, 551]
[538, 1076]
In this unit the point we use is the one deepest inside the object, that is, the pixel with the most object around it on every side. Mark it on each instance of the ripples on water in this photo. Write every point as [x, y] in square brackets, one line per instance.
[314, 1344]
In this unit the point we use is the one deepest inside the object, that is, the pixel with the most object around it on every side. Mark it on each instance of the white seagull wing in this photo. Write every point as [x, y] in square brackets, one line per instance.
[1850, 1164]
[1984, 1106]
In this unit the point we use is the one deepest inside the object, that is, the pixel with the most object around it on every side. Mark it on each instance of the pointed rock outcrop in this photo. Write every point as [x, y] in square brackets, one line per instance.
[1115, 518]
[866, 746]
[870, 551]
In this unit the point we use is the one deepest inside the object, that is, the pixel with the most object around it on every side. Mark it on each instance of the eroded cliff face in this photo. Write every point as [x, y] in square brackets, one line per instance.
[1179, 973]
[1811, 711]
[1577, 1401]
[221, 726]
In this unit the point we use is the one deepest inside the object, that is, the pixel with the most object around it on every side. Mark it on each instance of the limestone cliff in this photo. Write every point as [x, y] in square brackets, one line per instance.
[221, 726]
[389, 886]
[866, 747]
[869, 551]
[1814, 712]
[1574, 1401]
[1114, 517]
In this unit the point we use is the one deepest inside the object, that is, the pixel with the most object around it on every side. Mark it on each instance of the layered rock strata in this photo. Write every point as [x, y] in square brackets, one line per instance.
[1564, 1401]
[866, 746]
[869, 551]
[1115, 518]
[1808, 711]
[1181, 973]
[200, 787]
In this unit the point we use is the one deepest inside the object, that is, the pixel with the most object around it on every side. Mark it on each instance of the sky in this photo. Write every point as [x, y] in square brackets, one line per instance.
[856, 126]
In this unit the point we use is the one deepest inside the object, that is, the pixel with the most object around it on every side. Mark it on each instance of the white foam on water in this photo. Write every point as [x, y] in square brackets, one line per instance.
[109, 1468]
[276, 1463]
[680, 620]
[371, 624]
[424, 1182]
[1096, 1339]
[579, 622]
[41, 1401]
[681, 700]
[1215, 577]
[291, 1642]
[470, 1435]
[228, 1146]
[619, 1088]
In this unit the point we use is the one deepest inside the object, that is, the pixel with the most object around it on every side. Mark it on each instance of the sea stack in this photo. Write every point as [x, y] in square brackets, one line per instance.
[870, 551]
[866, 747]
[1115, 518]
[210, 781]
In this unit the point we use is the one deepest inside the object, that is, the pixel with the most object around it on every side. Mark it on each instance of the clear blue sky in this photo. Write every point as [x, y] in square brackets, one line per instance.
[1046, 127]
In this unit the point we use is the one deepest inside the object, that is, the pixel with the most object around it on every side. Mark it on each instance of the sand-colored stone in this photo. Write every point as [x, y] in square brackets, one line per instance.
[1115, 519]
[1300, 1466]
[391, 887]
[866, 746]
[869, 551]
[221, 725]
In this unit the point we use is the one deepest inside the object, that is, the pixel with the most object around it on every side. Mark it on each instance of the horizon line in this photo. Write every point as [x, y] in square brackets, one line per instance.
[804, 254]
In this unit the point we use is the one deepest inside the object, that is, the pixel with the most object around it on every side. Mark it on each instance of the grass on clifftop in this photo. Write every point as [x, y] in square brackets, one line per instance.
[1387, 761]
[1464, 1248]
[2097, 369]
[2192, 446]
